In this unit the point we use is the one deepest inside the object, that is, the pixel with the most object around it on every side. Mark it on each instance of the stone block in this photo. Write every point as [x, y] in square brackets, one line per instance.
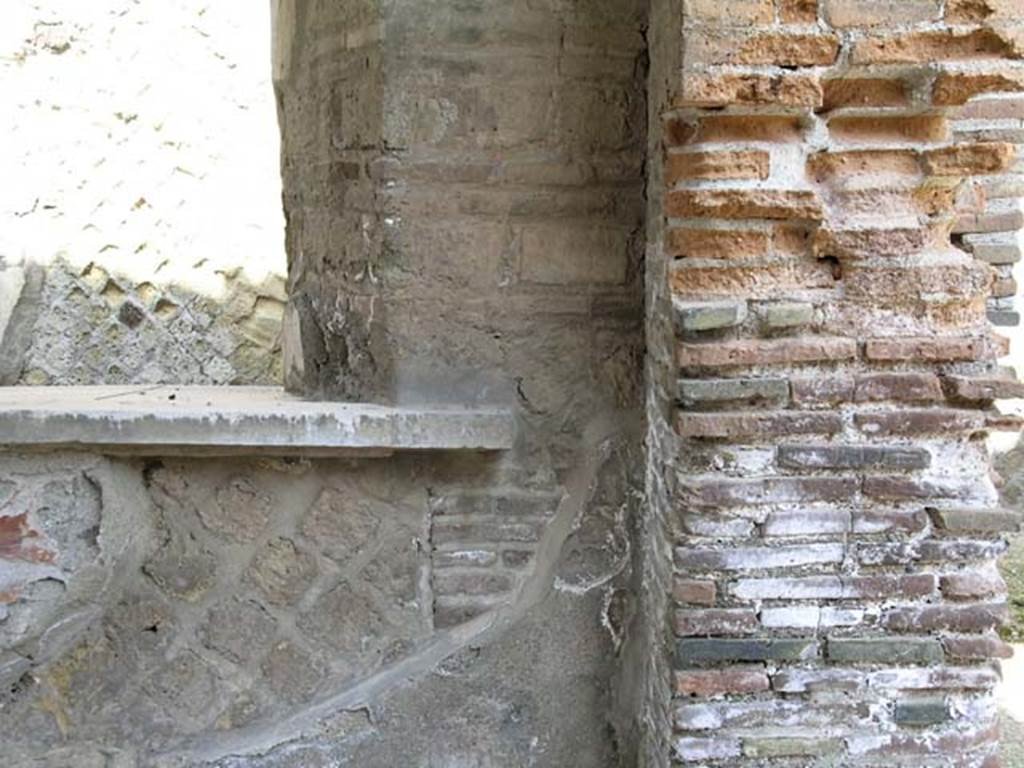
[769, 747]
[282, 572]
[708, 316]
[738, 426]
[884, 650]
[704, 392]
[692, 652]
[921, 713]
[788, 314]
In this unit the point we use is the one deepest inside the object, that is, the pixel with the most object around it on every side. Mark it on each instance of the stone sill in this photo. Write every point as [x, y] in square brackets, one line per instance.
[234, 421]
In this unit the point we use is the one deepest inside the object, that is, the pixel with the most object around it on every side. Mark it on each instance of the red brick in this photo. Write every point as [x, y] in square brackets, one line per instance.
[864, 92]
[918, 422]
[798, 11]
[957, 88]
[983, 389]
[933, 45]
[970, 159]
[784, 49]
[967, 11]
[746, 164]
[721, 682]
[743, 204]
[818, 390]
[806, 349]
[731, 88]
[737, 12]
[972, 585]
[760, 128]
[904, 387]
[989, 221]
[902, 488]
[992, 109]
[939, 349]
[922, 128]
[950, 618]
[716, 622]
[983, 648]
[716, 243]
[880, 13]
[694, 591]
[772, 490]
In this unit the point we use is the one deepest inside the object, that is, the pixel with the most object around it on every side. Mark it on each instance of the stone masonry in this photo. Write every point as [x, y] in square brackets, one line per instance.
[731, 265]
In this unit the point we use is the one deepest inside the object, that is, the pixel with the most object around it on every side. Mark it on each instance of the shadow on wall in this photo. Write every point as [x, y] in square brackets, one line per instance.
[141, 230]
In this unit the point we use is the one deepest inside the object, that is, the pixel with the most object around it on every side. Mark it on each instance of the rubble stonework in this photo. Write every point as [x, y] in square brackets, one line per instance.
[839, 220]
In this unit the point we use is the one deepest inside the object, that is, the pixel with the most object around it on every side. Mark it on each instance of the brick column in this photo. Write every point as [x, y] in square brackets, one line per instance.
[836, 527]
[462, 187]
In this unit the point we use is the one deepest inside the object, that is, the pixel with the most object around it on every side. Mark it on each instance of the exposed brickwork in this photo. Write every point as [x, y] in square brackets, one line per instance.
[835, 525]
[482, 545]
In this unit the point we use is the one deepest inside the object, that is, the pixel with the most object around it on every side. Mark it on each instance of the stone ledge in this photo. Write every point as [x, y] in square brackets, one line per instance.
[219, 421]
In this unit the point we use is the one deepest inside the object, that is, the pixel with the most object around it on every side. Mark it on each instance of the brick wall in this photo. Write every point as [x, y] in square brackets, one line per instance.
[834, 252]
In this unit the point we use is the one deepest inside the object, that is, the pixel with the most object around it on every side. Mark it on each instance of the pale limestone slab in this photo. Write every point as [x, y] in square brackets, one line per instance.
[203, 420]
